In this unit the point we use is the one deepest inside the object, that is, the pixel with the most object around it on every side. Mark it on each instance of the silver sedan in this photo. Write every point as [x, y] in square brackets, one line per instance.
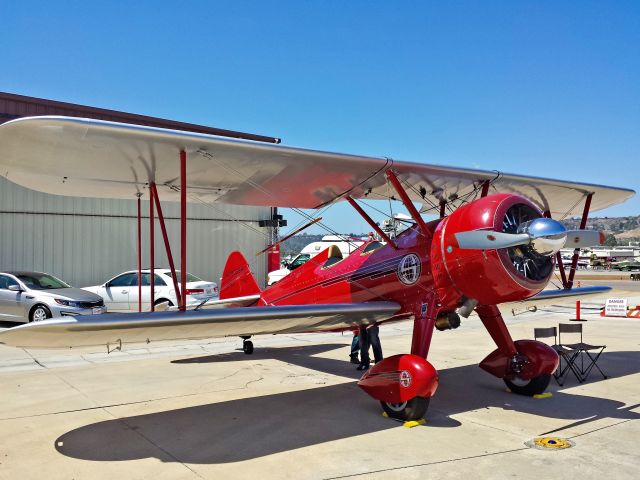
[35, 296]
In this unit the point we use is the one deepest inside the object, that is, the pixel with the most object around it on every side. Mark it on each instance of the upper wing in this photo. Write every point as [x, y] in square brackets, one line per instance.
[117, 328]
[93, 158]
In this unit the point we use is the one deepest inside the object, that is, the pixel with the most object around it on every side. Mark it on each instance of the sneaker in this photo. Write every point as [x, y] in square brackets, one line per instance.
[355, 359]
[362, 366]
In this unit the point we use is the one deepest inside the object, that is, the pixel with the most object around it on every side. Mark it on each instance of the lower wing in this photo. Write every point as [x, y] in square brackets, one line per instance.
[119, 328]
[563, 292]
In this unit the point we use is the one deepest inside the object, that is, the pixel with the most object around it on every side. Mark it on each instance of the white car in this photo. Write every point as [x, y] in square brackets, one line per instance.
[120, 294]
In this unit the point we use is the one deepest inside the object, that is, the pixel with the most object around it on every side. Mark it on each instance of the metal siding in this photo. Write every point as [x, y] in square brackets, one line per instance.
[86, 241]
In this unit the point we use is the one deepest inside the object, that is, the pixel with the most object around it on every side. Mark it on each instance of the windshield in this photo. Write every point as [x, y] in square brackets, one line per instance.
[41, 281]
[299, 260]
[190, 278]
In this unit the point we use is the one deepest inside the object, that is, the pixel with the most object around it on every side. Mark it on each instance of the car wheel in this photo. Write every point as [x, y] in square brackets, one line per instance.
[163, 300]
[39, 313]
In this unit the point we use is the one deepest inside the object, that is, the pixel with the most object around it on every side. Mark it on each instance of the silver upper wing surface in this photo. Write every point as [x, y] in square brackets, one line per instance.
[121, 328]
[94, 158]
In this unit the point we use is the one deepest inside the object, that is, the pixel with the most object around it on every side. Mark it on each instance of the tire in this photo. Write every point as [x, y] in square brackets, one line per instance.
[533, 387]
[247, 347]
[413, 409]
[163, 300]
[39, 313]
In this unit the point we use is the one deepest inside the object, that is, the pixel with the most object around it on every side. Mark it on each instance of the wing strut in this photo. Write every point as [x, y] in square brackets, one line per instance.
[287, 237]
[183, 229]
[139, 253]
[152, 241]
[371, 223]
[154, 195]
[567, 283]
[408, 204]
[559, 262]
[576, 251]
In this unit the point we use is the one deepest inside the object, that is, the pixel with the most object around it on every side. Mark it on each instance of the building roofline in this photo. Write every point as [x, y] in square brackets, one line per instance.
[18, 106]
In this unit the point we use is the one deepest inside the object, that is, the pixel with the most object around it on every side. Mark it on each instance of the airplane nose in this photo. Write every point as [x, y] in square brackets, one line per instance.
[547, 236]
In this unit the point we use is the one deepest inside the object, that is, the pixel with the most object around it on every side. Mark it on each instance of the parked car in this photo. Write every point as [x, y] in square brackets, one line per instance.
[120, 294]
[35, 296]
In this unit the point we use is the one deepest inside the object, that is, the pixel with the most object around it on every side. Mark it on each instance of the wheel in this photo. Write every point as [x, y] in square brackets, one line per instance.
[39, 313]
[163, 300]
[247, 347]
[531, 387]
[413, 409]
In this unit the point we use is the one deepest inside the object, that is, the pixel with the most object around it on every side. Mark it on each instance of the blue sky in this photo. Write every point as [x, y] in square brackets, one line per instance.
[539, 88]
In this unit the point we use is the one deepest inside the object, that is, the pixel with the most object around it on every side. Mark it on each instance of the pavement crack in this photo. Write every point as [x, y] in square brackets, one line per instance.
[36, 361]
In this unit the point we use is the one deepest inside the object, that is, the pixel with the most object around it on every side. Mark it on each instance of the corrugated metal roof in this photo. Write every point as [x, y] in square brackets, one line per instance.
[15, 106]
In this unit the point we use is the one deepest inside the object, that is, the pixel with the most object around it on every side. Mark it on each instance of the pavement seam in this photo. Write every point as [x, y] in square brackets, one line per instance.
[149, 400]
[427, 464]
[602, 428]
[122, 421]
[144, 437]
[465, 458]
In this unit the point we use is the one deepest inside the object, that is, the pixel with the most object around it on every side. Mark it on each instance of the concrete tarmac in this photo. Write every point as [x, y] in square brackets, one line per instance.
[205, 410]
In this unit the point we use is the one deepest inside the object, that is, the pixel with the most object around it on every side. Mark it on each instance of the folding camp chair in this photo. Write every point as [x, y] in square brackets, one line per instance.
[564, 353]
[592, 352]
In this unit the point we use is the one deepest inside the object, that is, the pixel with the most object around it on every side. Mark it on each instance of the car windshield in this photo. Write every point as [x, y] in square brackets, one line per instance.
[41, 281]
[190, 278]
[299, 260]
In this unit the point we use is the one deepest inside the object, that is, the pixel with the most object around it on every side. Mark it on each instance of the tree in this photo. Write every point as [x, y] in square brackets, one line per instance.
[610, 240]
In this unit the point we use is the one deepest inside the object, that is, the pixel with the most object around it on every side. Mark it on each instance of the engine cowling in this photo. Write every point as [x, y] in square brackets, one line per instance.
[488, 276]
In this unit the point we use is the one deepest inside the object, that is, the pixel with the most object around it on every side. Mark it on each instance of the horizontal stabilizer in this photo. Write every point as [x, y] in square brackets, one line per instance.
[244, 301]
[121, 328]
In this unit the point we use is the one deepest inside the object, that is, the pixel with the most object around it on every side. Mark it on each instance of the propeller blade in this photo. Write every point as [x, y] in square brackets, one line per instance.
[488, 239]
[584, 238]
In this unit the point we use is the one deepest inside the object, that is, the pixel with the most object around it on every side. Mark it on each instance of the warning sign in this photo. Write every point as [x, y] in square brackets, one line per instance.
[616, 307]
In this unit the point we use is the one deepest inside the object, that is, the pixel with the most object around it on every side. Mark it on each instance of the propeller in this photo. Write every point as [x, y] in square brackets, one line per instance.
[545, 236]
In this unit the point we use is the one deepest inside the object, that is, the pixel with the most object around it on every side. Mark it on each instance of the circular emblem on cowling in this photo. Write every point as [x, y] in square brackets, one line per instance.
[409, 269]
[405, 379]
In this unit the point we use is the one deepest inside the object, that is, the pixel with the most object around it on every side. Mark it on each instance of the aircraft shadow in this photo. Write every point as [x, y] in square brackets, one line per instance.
[248, 428]
[8, 324]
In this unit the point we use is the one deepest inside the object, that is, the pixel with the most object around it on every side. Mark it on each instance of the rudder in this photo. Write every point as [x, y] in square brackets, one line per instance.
[237, 280]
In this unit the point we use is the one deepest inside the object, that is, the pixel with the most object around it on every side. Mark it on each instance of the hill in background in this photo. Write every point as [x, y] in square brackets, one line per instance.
[623, 229]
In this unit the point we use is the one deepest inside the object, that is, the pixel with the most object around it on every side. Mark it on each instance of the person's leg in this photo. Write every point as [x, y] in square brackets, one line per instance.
[355, 348]
[374, 339]
[364, 349]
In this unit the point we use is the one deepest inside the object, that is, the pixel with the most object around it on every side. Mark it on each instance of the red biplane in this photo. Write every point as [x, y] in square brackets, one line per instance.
[495, 241]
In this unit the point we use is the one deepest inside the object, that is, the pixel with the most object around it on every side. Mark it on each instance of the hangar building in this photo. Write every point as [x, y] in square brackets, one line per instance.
[87, 241]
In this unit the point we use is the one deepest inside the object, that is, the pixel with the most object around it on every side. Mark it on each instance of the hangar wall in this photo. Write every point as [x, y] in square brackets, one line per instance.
[86, 241]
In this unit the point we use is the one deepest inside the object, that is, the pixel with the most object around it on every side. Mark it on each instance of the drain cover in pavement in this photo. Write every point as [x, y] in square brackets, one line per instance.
[549, 443]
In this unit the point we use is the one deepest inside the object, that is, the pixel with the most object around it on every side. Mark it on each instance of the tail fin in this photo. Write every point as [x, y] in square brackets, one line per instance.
[237, 280]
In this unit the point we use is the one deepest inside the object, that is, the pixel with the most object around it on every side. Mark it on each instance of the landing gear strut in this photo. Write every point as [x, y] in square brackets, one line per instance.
[524, 365]
[247, 345]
